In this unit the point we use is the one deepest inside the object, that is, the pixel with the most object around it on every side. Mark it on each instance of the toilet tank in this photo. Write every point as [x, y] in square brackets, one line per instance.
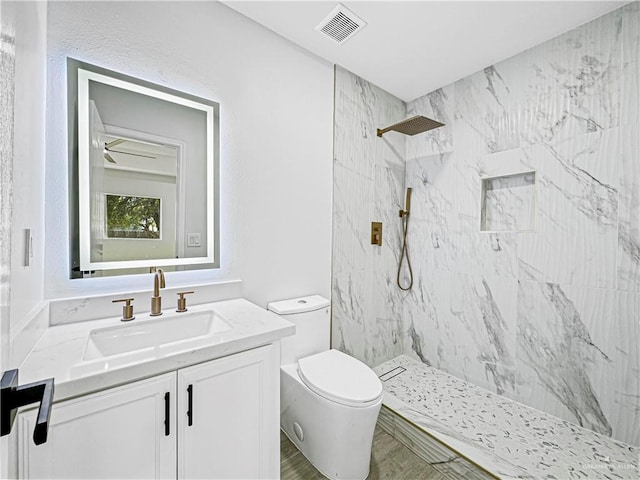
[310, 315]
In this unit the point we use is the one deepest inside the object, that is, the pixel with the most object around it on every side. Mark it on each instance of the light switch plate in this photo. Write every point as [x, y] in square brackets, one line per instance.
[193, 239]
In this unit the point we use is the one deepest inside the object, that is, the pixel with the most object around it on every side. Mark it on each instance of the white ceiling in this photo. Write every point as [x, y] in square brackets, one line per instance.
[412, 48]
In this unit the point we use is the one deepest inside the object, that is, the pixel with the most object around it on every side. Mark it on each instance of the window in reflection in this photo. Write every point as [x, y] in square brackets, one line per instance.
[133, 217]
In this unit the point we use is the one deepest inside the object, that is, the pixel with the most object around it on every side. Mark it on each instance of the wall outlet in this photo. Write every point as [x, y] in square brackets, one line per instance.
[193, 239]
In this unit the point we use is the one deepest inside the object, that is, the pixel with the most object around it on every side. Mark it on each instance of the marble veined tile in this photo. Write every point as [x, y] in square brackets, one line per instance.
[486, 107]
[629, 212]
[631, 32]
[508, 439]
[464, 325]
[630, 108]
[350, 310]
[624, 408]
[390, 147]
[630, 85]
[369, 177]
[353, 212]
[384, 328]
[442, 251]
[573, 82]
[575, 356]
[438, 105]
[432, 179]
[576, 237]
[446, 191]
[354, 131]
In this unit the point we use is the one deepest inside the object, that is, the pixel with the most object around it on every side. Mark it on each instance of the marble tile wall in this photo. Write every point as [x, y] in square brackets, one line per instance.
[368, 185]
[549, 317]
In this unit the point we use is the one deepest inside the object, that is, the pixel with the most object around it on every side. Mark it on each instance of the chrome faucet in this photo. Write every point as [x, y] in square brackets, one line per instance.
[156, 300]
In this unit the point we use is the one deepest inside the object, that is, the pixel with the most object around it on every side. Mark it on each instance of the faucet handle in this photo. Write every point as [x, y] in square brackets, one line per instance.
[127, 309]
[182, 302]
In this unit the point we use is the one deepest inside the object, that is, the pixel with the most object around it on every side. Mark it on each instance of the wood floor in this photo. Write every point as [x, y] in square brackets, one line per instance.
[390, 460]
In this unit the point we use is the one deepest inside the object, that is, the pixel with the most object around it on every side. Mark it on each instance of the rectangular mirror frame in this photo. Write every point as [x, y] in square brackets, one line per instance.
[87, 73]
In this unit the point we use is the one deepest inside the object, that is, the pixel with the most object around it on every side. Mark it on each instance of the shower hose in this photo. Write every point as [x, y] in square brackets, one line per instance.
[405, 253]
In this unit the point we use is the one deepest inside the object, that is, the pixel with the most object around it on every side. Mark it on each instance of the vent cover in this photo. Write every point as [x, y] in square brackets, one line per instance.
[341, 24]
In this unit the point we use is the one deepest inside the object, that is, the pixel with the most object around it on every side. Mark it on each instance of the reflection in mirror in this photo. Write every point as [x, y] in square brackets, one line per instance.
[147, 176]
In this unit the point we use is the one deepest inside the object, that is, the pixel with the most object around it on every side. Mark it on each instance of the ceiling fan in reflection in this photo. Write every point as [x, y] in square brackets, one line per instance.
[108, 148]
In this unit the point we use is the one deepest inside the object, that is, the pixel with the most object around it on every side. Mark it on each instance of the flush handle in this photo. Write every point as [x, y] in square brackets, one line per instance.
[14, 396]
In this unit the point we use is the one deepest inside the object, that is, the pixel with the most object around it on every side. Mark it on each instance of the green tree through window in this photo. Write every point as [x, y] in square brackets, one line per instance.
[133, 217]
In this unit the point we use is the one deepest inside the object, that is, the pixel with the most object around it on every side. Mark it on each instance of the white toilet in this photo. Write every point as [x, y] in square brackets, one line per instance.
[329, 401]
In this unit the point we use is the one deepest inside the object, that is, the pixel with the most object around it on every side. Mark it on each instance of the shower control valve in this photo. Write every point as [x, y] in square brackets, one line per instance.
[376, 233]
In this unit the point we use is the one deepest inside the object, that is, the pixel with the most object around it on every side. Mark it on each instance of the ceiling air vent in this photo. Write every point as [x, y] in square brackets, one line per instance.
[341, 24]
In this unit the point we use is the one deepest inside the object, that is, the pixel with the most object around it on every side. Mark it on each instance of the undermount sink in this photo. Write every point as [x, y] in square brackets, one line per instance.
[168, 333]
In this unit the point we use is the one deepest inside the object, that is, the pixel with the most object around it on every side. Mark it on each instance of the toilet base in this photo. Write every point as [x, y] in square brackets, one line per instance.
[335, 438]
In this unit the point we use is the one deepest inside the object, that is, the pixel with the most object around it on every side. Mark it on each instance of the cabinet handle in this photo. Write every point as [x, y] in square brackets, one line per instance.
[190, 405]
[167, 414]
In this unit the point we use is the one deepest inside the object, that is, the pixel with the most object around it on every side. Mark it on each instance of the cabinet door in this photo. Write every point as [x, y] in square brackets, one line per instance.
[117, 433]
[231, 430]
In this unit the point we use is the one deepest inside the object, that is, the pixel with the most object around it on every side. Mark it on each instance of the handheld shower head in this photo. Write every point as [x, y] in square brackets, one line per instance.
[404, 253]
[407, 204]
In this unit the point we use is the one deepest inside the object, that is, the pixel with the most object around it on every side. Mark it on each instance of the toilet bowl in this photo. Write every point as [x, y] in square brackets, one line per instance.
[329, 401]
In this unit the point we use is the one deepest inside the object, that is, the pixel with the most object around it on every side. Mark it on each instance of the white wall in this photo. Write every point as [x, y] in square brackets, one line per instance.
[276, 136]
[27, 203]
[22, 138]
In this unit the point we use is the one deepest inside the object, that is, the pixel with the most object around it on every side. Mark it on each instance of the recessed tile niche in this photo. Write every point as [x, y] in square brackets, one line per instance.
[508, 203]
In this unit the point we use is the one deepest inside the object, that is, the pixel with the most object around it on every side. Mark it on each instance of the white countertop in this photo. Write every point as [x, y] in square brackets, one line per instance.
[61, 349]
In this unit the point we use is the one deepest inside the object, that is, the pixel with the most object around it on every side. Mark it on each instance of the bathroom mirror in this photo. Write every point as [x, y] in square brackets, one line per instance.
[147, 175]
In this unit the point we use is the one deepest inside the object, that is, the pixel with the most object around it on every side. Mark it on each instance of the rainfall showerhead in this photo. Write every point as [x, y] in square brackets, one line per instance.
[412, 126]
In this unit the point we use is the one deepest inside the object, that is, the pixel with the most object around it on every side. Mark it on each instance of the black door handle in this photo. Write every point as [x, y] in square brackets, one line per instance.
[167, 414]
[190, 405]
[13, 396]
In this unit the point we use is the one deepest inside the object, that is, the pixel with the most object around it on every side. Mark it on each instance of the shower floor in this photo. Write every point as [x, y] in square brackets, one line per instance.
[504, 437]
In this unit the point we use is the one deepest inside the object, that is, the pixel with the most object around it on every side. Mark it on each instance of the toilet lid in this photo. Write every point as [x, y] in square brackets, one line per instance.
[340, 378]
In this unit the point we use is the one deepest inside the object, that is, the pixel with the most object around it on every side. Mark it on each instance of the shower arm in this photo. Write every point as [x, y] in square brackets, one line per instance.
[382, 131]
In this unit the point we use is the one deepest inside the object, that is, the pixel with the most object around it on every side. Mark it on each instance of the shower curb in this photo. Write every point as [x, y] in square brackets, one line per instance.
[448, 462]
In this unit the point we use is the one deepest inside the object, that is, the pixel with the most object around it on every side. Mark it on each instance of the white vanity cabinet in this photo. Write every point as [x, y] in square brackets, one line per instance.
[217, 419]
[116, 433]
[234, 428]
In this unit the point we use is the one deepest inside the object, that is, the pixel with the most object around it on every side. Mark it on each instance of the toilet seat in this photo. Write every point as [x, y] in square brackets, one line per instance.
[340, 378]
